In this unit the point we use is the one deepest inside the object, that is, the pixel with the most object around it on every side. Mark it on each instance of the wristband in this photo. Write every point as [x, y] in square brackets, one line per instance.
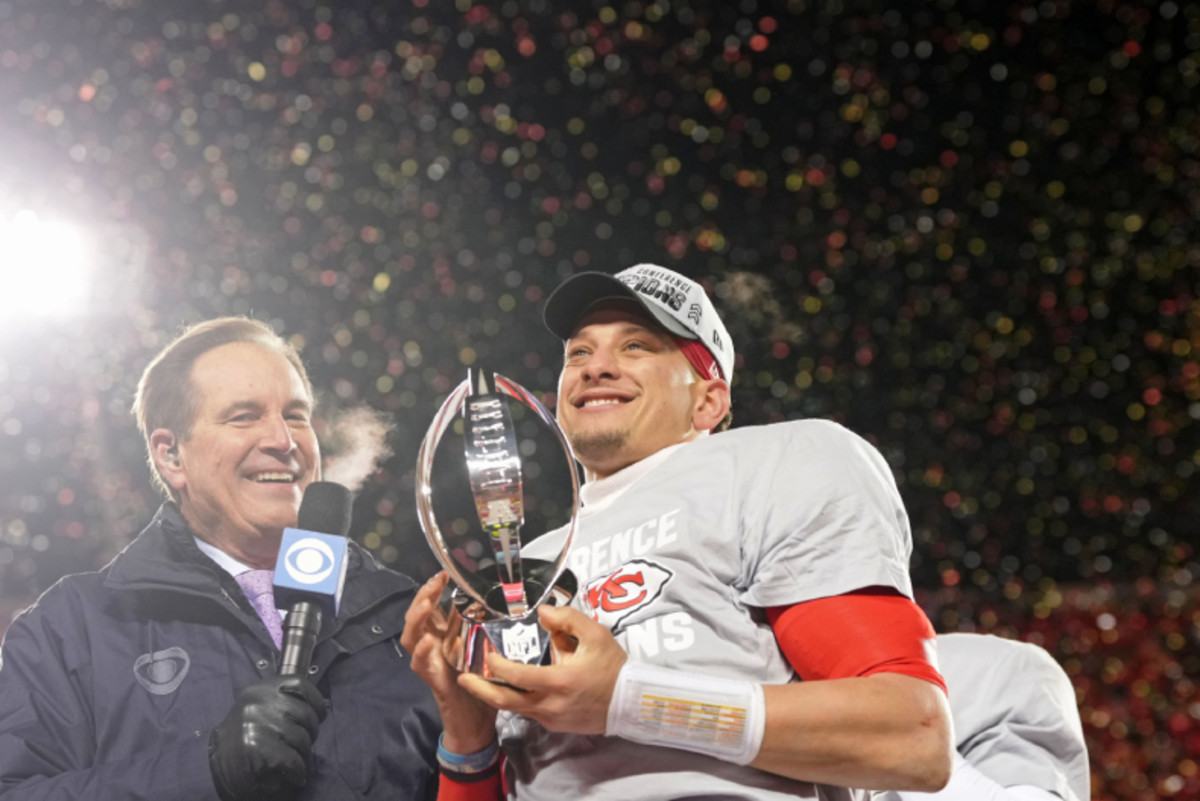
[477, 762]
[719, 717]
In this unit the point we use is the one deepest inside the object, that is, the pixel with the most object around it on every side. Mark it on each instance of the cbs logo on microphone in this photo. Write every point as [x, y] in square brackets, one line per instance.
[311, 567]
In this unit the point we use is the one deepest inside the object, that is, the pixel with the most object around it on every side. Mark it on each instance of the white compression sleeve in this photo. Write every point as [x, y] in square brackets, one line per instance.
[968, 784]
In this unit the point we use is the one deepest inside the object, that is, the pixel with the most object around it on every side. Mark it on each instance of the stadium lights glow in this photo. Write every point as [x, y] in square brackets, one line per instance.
[45, 267]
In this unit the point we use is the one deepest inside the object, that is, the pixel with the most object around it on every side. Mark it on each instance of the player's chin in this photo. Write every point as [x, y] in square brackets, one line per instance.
[598, 443]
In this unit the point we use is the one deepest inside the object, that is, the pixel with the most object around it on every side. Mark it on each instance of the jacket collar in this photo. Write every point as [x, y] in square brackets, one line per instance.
[164, 557]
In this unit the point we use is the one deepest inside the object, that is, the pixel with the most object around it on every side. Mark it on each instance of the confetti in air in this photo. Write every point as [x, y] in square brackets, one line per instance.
[964, 229]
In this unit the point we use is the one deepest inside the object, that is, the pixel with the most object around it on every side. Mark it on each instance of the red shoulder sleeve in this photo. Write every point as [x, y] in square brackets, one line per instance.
[857, 634]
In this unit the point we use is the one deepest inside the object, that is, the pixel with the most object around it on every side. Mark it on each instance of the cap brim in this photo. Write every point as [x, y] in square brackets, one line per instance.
[567, 304]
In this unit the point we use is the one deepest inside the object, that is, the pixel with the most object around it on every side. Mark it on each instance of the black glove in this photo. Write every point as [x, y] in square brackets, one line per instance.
[261, 749]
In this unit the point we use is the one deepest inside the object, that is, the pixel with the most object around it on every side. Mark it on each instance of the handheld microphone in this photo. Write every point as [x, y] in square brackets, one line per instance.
[310, 571]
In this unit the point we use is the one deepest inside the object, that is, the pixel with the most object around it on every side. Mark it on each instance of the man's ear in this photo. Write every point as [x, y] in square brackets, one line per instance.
[164, 447]
[712, 405]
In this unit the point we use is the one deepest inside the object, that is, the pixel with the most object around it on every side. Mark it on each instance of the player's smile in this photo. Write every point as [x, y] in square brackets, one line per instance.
[600, 400]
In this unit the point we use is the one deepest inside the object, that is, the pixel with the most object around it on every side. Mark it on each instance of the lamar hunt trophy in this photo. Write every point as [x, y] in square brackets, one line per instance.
[497, 600]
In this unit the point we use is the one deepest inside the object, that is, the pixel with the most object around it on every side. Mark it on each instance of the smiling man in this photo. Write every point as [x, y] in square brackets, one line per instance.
[156, 676]
[744, 626]
[613, 424]
[238, 469]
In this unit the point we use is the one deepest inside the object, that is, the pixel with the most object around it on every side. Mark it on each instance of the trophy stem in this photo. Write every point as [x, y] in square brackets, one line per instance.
[506, 546]
[494, 466]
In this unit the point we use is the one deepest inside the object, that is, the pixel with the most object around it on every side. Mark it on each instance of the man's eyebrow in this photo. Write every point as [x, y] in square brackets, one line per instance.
[238, 406]
[299, 403]
[632, 328]
[255, 406]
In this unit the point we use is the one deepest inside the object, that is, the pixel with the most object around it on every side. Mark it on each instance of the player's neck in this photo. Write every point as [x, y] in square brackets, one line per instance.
[598, 491]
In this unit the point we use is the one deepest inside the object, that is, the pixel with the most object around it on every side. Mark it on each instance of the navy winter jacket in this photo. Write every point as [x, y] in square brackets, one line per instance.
[111, 683]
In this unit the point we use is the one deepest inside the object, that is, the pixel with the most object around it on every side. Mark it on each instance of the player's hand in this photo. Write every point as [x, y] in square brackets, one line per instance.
[430, 635]
[261, 749]
[570, 696]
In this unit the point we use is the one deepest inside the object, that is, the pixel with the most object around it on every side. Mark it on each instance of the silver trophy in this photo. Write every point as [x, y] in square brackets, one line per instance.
[497, 598]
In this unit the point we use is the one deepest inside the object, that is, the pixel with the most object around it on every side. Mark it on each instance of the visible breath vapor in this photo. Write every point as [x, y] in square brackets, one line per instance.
[355, 443]
[756, 301]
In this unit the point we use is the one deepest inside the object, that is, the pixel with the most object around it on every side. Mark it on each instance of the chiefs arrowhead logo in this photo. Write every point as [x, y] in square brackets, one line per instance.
[635, 584]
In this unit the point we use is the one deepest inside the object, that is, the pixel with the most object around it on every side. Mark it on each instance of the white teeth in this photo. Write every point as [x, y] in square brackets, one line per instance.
[287, 477]
[602, 402]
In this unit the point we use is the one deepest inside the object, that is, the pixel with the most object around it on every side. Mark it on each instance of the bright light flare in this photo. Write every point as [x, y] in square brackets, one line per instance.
[45, 267]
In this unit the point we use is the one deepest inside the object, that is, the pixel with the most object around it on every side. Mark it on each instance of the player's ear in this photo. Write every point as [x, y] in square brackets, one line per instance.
[164, 449]
[712, 404]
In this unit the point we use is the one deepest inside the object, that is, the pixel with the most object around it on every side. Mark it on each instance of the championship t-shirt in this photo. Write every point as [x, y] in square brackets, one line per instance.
[678, 554]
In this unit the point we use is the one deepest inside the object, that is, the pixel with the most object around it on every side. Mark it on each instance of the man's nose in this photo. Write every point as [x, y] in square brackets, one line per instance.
[277, 434]
[601, 363]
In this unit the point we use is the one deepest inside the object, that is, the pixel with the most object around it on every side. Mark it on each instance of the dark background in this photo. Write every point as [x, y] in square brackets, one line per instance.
[966, 230]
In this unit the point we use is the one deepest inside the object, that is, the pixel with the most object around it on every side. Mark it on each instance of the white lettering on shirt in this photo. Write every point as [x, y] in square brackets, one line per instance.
[672, 632]
[643, 546]
[606, 554]
[666, 528]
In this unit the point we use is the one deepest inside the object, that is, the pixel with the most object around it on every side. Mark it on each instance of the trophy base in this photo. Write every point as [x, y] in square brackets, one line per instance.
[519, 639]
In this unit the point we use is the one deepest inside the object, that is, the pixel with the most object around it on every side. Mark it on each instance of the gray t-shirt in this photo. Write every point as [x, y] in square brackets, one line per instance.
[1015, 716]
[677, 555]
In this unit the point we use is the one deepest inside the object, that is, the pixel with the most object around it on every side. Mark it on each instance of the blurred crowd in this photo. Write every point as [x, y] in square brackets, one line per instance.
[964, 229]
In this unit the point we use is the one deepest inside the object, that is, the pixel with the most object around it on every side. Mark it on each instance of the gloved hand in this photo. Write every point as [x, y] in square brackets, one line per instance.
[261, 749]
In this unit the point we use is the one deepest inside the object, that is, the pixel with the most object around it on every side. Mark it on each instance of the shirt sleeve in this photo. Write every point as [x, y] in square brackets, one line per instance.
[487, 788]
[825, 518]
[968, 784]
[1015, 714]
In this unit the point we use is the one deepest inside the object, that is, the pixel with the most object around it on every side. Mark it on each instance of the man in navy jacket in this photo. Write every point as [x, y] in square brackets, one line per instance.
[155, 678]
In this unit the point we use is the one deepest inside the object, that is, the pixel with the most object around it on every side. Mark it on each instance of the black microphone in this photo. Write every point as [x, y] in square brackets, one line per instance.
[310, 571]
